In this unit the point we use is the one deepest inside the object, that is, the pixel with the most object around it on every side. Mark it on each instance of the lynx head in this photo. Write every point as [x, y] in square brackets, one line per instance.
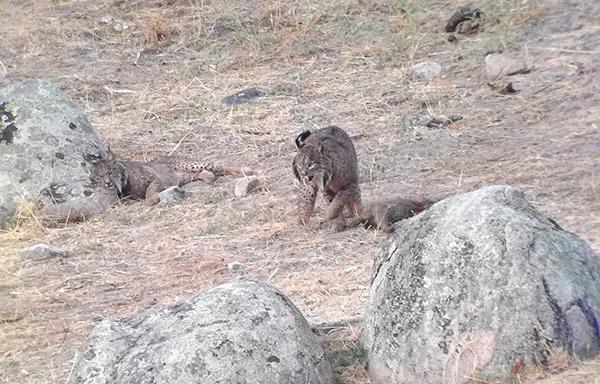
[109, 172]
[308, 164]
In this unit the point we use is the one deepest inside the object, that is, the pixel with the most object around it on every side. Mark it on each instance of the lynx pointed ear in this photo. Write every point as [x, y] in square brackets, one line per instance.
[110, 155]
[119, 178]
[301, 138]
[295, 169]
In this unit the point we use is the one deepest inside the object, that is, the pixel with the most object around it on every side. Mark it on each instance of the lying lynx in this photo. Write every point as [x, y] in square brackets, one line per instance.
[145, 180]
[326, 159]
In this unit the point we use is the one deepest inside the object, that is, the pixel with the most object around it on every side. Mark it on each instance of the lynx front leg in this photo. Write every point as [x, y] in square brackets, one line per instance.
[152, 193]
[334, 213]
[354, 202]
[206, 176]
[306, 202]
[328, 194]
[338, 224]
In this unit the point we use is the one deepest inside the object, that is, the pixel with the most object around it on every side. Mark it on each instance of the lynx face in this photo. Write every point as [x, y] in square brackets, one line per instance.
[110, 173]
[308, 167]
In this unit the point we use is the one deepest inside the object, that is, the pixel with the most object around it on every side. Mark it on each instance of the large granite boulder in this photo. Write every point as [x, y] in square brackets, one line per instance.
[46, 145]
[481, 285]
[243, 332]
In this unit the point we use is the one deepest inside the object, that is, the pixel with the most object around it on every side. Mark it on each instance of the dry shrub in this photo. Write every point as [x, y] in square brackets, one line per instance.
[559, 360]
[157, 29]
[24, 222]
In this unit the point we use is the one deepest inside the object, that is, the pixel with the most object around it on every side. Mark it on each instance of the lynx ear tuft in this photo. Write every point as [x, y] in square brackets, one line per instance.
[110, 155]
[301, 138]
[119, 178]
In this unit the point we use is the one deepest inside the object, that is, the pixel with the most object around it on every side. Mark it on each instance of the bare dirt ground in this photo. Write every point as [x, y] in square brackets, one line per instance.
[150, 75]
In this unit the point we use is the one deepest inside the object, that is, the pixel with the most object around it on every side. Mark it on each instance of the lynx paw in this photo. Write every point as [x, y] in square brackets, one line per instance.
[151, 200]
[336, 225]
[247, 171]
[304, 221]
[207, 177]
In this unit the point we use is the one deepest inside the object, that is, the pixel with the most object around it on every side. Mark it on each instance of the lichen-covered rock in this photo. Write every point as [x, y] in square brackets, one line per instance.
[46, 145]
[243, 332]
[479, 285]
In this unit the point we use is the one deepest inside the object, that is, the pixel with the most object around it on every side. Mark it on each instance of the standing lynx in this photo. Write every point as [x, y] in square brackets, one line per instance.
[326, 159]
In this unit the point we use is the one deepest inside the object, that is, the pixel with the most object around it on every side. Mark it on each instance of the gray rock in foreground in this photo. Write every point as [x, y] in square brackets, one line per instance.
[243, 332]
[46, 145]
[475, 286]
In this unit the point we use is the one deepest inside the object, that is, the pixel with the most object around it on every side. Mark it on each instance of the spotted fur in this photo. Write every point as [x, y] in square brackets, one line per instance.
[145, 180]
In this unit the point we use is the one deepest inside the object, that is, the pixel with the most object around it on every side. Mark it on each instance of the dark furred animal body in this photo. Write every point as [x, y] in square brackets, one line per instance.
[384, 213]
[326, 160]
[145, 180]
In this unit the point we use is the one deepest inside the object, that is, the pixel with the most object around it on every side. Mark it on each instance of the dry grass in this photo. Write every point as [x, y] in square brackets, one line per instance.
[151, 75]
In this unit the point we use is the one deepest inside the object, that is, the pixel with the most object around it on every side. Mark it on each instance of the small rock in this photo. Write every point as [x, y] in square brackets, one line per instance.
[426, 70]
[235, 266]
[197, 187]
[105, 20]
[244, 96]
[42, 251]
[497, 65]
[245, 185]
[120, 27]
[172, 194]
[452, 38]
[508, 89]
